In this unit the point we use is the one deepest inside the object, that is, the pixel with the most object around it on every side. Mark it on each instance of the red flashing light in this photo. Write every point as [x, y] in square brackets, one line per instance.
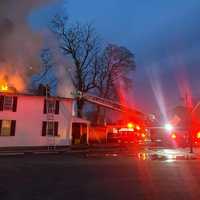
[173, 136]
[130, 125]
[138, 127]
[198, 135]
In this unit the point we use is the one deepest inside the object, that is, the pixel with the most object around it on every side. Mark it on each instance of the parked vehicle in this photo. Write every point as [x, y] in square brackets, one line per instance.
[130, 134]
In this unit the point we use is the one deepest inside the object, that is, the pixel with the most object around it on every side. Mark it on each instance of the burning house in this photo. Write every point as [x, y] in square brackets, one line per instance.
[36, 119]
[28, 120]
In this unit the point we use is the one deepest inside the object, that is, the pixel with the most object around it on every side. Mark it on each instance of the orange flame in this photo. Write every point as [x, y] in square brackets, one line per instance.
[11, 81]
[4, 88]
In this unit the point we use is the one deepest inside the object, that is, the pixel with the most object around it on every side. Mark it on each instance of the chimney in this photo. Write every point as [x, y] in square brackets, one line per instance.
[43, 90]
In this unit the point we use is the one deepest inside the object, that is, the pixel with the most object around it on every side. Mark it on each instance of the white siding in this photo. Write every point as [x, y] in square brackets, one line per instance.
[29, 118]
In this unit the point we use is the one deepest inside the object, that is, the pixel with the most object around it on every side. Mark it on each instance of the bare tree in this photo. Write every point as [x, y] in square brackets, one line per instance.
[81, 43]
[116, 65]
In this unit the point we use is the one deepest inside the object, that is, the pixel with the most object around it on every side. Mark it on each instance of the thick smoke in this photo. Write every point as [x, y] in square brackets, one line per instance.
[19, 46]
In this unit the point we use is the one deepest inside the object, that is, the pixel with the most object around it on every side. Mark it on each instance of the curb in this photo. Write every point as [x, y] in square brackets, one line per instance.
[11, 154]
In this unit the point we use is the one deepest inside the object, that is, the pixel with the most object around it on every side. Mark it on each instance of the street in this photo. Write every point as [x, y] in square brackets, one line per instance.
[99, 100]
[39, 177]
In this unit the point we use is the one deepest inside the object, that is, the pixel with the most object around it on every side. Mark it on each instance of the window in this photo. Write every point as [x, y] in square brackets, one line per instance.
[7, 127]
[50, 128]
[51, 106]
[8, 103]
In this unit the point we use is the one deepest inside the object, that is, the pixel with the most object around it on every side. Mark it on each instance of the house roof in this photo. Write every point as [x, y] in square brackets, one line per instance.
[33, 95]
[80, 120]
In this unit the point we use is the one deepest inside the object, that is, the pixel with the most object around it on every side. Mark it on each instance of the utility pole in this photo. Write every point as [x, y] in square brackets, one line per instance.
[191, 129]
[190, 109]
[191, 125]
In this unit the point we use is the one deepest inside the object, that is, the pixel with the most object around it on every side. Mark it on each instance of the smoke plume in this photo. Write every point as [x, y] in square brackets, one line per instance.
[19, 46]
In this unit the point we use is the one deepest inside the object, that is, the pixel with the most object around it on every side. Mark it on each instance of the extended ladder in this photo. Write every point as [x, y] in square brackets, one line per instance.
[109, 104]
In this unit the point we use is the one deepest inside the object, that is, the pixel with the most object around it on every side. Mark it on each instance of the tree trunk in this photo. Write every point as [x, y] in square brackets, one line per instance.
[97, 115]
[80, 104]
[100, 115]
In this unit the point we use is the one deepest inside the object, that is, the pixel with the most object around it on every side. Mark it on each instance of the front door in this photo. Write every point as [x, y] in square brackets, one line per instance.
[76, 133]
[79, 133]
[84, 134]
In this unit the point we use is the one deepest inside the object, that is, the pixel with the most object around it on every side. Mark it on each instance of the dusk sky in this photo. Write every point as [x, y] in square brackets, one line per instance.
[163, 35]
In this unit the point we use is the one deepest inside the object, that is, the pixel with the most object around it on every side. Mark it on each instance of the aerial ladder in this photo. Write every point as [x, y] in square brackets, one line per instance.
[110, 104]
[138, 116]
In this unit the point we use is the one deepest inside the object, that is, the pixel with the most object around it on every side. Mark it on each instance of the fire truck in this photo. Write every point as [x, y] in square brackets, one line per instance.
[131, 133]
[128, 132]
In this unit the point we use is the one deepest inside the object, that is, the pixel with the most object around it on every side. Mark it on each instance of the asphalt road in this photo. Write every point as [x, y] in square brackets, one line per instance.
[63, 177]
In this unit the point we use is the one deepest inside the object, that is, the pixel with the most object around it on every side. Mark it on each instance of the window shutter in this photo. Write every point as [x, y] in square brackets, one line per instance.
[14, 104]
[44, 128]
[1, 102]
[55, 128]
[45, 107]
[0, 126]
[12, 130]
[57, 107]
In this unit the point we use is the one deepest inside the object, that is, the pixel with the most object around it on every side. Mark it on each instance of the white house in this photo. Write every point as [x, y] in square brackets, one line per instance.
[36, 121]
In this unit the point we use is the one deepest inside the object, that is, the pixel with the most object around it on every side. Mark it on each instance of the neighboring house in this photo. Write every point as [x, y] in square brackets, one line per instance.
[30, 121]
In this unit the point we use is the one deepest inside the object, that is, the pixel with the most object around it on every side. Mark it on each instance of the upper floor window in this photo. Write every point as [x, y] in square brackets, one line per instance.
[8, 103]
[51, 106]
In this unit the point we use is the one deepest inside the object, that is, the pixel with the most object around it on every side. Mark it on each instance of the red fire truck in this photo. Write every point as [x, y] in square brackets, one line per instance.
[129, 134]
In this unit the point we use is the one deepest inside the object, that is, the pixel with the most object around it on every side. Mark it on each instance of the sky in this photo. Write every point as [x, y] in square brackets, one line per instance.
[163, 35]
